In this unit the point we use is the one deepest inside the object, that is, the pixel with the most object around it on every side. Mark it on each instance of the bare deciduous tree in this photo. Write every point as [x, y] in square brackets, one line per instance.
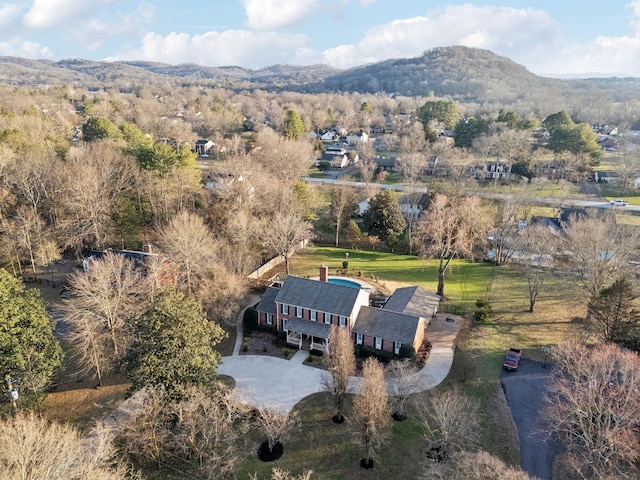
[403, 383]
[285, 160]
[279, 474]
[188, 243]
[102, 298]
[593, 407]
[147, 436]
[473, 466]
[284, 232]
[33, 447]
[535, 248]
[371, 413]
[343, 205]
[275, 425]
[204, 427]
[599, 249]
[93, 183]
[341, 364]
[447, 430]
[450, 228]
[510, 211]
[33, 237]
[209, 428]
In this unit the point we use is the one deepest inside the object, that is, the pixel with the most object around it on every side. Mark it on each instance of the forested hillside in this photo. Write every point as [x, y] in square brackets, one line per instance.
[465, 74]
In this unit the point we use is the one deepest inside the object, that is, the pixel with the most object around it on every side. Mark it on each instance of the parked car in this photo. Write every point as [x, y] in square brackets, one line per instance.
[618, 203]
[512, 359]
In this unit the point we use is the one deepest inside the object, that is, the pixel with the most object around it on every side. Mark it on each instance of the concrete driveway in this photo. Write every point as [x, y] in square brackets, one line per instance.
[278, 384]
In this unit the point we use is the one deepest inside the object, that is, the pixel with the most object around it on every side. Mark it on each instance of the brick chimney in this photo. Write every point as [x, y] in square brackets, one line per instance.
[324, 273]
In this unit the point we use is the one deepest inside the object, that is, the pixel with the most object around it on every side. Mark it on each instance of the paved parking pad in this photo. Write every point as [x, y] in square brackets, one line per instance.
[524, 390]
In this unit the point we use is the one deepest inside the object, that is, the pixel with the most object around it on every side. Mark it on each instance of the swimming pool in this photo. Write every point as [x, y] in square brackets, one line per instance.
[344, 282]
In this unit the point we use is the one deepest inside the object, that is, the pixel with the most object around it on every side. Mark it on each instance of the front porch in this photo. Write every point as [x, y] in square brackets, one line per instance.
[307, 334]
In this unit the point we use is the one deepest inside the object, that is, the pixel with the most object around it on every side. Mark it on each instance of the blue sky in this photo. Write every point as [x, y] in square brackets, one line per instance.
[554, 38]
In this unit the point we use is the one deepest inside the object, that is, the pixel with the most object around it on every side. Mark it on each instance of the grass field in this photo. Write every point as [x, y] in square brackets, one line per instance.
[611, 191]
[464, 283]
[545, 189]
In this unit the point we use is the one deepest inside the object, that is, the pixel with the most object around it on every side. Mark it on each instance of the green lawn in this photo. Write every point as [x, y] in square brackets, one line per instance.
[543, 189]
[611, 191]
[465, 281]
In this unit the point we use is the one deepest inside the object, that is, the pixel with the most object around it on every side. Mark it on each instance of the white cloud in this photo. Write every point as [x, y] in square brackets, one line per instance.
[232, 47]
[95, 31]
[275, 14]
[500, 29]
[27, 49]
[9, 18]
[526, 35]
[58, 13]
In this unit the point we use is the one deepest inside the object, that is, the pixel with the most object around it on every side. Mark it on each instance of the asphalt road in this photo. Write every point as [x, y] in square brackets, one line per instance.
[525, 390]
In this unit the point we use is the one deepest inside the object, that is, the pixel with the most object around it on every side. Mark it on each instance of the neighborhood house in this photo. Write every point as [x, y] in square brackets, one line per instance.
[306, 309]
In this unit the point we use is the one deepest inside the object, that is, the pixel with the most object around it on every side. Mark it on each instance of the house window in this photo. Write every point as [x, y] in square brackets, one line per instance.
[359, 338]
[396, 347]
[314, 315]
[285, 309]
[299, 312]
[378, 343]
[269, 318]
[343, 321]
[327, 318]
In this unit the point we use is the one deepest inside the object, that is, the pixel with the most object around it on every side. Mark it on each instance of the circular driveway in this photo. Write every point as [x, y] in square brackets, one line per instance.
[279, 384]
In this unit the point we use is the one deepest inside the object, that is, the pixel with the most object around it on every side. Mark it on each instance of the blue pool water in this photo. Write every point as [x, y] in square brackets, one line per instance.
[344, 282]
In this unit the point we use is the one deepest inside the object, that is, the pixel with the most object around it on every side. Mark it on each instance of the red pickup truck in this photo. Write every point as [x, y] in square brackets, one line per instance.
[512, 359]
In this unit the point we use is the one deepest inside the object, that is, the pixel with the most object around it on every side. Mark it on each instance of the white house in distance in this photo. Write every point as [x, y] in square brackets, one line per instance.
[204, 147]
[356, 138]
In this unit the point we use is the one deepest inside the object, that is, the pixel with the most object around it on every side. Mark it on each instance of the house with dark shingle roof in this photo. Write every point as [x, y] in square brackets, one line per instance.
[413, 301]
[388, 331]
[307, 309]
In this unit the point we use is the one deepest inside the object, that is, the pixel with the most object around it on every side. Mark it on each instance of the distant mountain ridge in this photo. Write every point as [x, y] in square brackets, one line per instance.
[465, 74]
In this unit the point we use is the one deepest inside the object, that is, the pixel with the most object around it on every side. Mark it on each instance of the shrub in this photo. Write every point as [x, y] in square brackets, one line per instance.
[345, 264]
[483, 311]
[288, 353]
[250, 319]
[313, 358]
[380, 355]
[407, 351]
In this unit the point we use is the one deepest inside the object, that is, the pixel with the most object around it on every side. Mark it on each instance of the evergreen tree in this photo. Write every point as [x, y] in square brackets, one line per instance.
[28, 350]
[614, 315]
[468, 130]
[384, 217]
[293, 126]
[173, 343]
[440, 111]
[98, 128]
